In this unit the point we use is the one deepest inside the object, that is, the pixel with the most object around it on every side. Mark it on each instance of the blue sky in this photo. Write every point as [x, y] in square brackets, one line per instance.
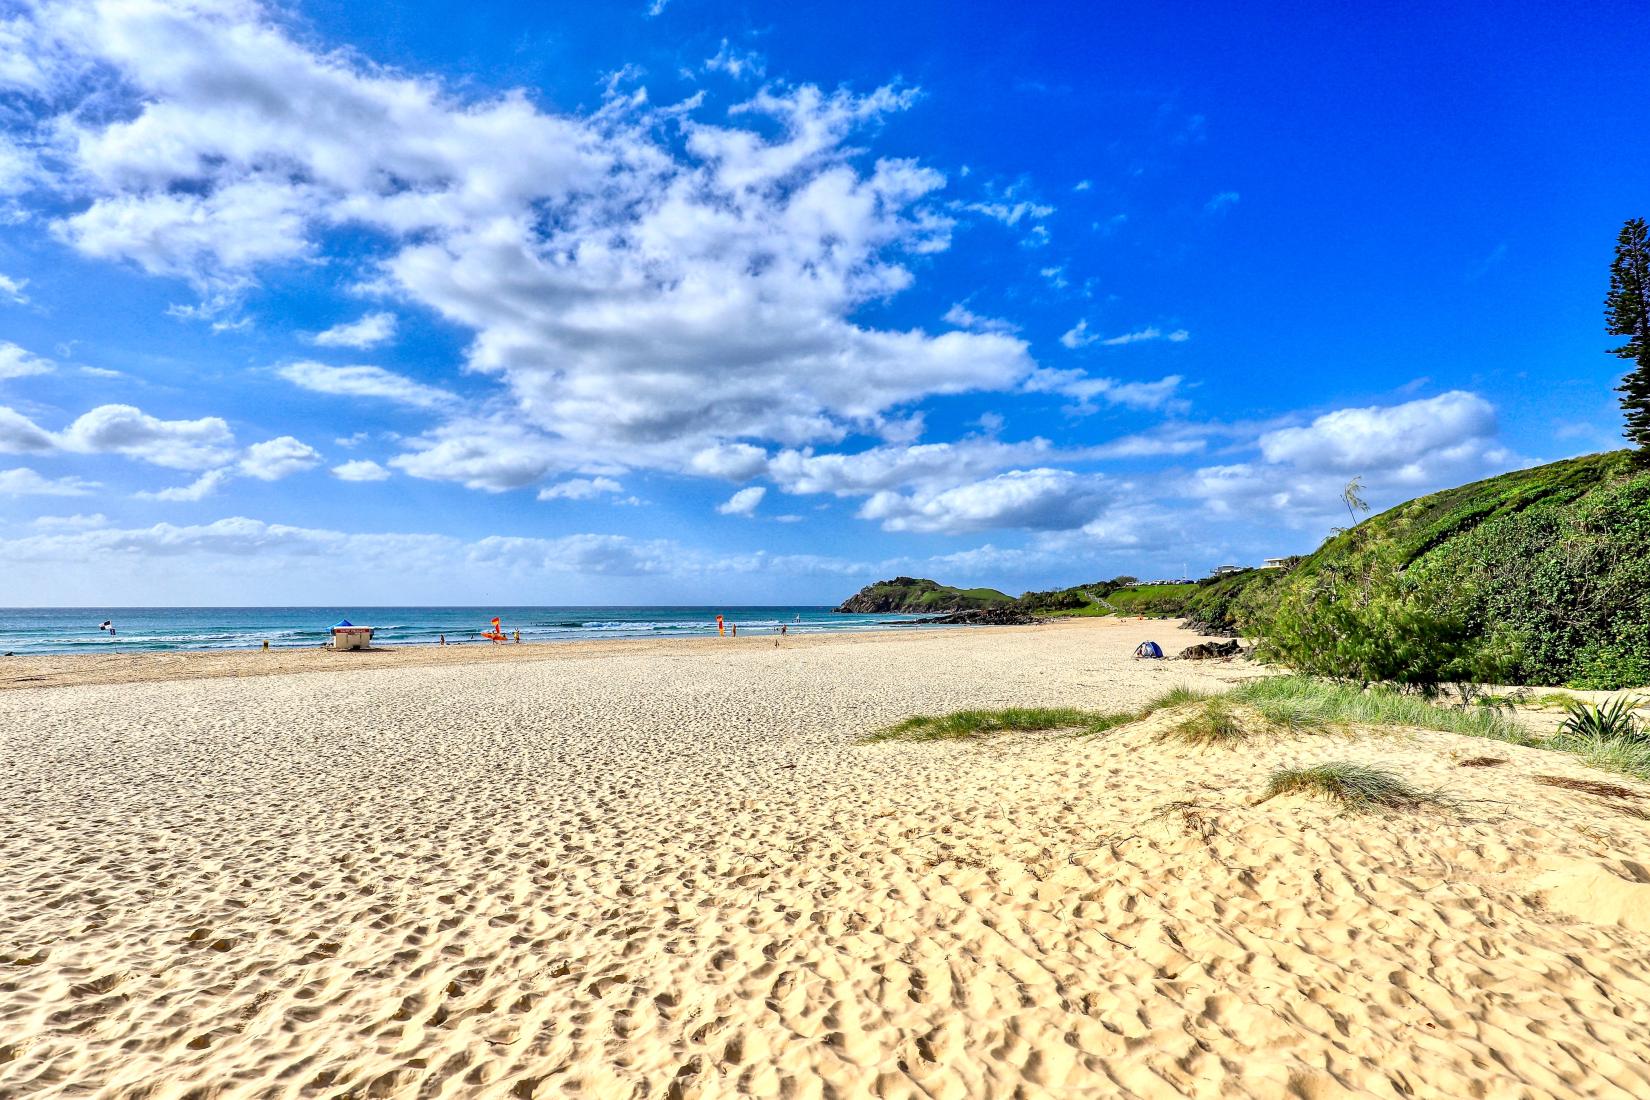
[698, 302]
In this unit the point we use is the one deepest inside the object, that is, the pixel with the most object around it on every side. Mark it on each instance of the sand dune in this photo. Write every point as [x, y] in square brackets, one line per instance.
[674, 871]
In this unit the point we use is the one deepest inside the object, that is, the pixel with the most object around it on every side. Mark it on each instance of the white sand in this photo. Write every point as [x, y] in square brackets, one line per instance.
[671, 870]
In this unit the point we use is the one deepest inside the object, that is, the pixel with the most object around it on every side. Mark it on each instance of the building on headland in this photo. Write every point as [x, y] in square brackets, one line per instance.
[1226, 570]
[1277, 563]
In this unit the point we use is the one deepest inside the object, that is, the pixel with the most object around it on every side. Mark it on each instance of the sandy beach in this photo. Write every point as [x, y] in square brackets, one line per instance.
[674, 869]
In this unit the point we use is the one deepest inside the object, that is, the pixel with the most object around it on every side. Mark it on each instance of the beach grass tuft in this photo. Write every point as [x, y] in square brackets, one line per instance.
[1216, 723]
[1358, 787]
[1622, 755]
[968, 724]
[1178, 696]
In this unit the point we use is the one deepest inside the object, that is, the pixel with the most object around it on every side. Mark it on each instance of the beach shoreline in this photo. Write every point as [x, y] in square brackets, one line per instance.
[40, 670]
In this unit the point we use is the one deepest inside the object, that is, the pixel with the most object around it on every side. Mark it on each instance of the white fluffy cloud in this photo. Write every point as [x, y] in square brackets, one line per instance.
[580, 488]
[734, 461]
[276, 458]
[1352, 440]
[744, 502]
[364, 381]
[883, 468]
[1400, 451]
[199, 489]
[12, 289]
[368, 332]
[17, 362]
[1086, 389]
[963, 317]
[1040, 499]
[360, 469]
[125, 430]
[633, 293]
[24, 482]
[282, 547]
[493, 455]
[76, 522]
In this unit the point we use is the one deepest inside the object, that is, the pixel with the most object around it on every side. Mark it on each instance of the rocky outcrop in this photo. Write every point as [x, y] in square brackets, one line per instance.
[986, 616]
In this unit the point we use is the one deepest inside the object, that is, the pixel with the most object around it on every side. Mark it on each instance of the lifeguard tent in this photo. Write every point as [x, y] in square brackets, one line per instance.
[346, 635]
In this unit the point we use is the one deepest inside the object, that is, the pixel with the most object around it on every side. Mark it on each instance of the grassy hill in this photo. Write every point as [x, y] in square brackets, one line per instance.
[1555, 560]
[919, 595]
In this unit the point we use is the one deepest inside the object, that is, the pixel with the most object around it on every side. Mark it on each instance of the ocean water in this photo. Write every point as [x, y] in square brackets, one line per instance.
[139, 629]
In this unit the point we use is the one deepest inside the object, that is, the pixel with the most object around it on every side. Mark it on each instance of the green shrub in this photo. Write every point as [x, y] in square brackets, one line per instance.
[1547, 568]
[1363, 619]
[1614, 720]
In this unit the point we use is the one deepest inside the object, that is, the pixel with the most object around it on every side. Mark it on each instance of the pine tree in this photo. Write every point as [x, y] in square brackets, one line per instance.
[1627, 313]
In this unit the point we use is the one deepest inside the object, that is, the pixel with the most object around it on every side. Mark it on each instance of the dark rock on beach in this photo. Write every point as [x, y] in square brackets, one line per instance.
[1206, 651]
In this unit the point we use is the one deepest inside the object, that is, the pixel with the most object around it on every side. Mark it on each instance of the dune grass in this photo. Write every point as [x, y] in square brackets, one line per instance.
[1622, 755]
[1321, 702]
[967, 724]
[1177, 696]
[1358, 787]
[1283, 704]
[1216, 723]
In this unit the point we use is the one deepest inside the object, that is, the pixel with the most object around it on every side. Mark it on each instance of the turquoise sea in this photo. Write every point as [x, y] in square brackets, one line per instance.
[136, 629]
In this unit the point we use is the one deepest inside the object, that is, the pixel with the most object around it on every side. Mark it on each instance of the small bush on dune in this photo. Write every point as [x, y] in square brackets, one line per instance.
[1611, 737]
[964, 724]
[1616, 719]
[1358, 787]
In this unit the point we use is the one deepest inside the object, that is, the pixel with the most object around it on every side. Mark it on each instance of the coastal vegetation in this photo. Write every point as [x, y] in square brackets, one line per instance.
[1360, 788]
[1611, 736]
[964, 724]
[1538, 576]
[1627, 313]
